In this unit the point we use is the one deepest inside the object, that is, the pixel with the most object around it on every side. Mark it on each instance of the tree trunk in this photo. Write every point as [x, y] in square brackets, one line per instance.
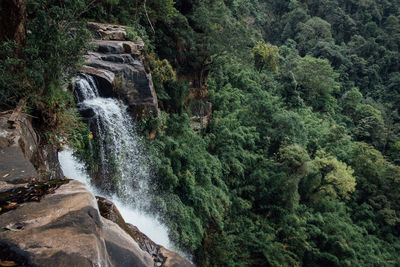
[13, 21]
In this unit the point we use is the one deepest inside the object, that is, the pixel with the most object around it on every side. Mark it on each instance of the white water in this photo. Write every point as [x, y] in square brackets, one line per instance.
[121, 156]
[146, 223]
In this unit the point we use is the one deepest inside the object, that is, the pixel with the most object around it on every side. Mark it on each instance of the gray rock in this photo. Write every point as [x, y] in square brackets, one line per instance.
[104, 79]
[21, 153]
[160, 255]
[107, 31]
[66, 229]
[14, 167]
[123, 59]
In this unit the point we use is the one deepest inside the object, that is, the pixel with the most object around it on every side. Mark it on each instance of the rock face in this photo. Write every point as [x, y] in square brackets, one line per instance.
[160, 255]
[21, 154]
[118, 67]
[66, 229]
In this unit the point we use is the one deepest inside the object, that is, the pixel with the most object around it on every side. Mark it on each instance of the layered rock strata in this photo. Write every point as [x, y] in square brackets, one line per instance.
[118, 65]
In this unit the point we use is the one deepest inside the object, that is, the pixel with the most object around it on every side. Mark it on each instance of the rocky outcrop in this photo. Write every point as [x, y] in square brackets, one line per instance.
[118, 67]
[58, 222]
[65, 229]
[160, 255]
[22, 157]
[107, 31]
[52, 222]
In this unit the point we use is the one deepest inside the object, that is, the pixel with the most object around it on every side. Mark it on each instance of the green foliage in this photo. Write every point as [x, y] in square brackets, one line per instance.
[50, 47]
[266, 56]
[301, 191]
[378, 184]
[131, 34]
[195, 195]
[12, 81]
[296, 167]
[162, 74]
[295, 158]
[54, 48]
[312, 31]
[329, 178]
[317, 81]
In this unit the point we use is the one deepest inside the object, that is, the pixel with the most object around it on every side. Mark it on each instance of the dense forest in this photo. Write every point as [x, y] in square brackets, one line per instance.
[298, 164]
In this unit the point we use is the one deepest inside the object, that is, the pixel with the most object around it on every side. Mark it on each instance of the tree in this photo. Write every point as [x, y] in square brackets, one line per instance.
[309, 33]
[13, 21]
[317, 81]
[296, 161]
[352, 99]
[378, 184]
[329, 178]
[370, 126]
[266, 56]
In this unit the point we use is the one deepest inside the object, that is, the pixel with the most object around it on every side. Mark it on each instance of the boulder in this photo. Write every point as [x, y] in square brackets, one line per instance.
[160, 255]
[21, 134]
[65, 229]
[117, 47]
[14, 167]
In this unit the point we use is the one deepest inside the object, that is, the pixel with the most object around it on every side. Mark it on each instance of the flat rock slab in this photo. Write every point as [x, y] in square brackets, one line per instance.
[107, 31]
[118, 47]
[14, 167]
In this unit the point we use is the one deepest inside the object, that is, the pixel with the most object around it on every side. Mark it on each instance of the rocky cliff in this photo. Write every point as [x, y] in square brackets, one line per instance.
[119, 68]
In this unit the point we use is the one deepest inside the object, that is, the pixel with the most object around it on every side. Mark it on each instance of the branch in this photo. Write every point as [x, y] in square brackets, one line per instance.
[147, 15]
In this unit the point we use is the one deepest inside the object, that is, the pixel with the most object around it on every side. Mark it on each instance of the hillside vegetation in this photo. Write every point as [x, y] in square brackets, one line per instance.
[299, 162]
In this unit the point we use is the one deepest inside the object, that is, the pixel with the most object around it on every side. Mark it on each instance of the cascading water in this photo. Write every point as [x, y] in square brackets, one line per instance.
[123, 165]
[121, 159]
[147, 223]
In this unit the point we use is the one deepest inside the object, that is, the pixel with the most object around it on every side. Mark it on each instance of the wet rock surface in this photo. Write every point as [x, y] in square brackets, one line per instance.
[14, 167]
[160, 255]
[119, 69]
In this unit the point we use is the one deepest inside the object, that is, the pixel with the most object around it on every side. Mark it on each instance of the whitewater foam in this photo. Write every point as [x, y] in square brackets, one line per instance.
[148, 224]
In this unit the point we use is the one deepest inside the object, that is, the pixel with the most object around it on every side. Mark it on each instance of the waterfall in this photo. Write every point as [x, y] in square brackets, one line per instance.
[122, 162]
[147, 223]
